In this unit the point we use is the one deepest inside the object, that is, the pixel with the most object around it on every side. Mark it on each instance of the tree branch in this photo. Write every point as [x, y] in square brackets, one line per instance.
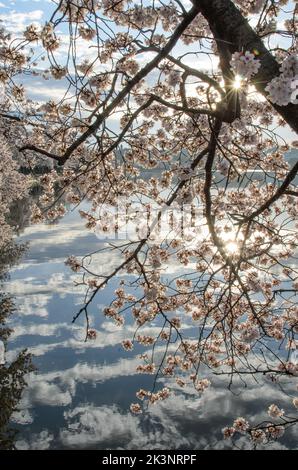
[227, 23]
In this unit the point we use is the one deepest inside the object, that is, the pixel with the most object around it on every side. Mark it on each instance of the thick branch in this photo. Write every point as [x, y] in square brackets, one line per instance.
[33, 148]
[133, 82]
[227, 24]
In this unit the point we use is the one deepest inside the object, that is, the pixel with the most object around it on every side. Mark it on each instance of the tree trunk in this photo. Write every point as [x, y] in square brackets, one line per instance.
[227, 24]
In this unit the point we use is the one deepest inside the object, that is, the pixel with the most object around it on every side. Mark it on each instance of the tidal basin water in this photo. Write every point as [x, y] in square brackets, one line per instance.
[80, 395]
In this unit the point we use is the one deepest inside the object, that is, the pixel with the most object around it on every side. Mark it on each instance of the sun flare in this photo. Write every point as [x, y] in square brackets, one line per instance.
[231, 247]
[237, 82]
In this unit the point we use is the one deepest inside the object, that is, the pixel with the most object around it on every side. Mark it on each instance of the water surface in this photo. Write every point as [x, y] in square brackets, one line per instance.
[80, 395]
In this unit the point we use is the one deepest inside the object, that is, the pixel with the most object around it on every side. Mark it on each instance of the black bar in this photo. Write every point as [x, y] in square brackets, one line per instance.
[136, 459]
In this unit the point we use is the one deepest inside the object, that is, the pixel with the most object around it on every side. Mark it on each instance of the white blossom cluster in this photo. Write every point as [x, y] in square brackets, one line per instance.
[284, 89]
[245, 64]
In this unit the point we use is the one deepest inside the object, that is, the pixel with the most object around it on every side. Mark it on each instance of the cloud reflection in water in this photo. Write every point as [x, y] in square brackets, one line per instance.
[81, 394]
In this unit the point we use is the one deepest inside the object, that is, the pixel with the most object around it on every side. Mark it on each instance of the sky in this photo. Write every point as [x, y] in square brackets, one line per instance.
[17, 14]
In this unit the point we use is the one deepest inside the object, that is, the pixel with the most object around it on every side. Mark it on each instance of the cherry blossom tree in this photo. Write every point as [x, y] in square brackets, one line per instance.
[175, 118]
